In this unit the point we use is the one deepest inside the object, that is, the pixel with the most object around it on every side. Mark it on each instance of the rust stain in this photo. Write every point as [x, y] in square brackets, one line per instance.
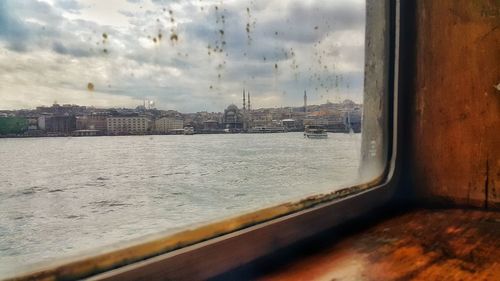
[419, 245]
[104, 41]
[174, 37]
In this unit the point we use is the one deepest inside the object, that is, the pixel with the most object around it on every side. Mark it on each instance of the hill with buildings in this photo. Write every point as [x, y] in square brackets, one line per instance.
[75, 120]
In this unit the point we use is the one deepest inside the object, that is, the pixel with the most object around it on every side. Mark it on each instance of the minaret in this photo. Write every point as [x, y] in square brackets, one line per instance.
[244, 103]
[305, 102]
[248, 101]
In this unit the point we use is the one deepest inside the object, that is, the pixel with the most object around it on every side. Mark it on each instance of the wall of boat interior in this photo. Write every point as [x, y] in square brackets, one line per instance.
[455, 111]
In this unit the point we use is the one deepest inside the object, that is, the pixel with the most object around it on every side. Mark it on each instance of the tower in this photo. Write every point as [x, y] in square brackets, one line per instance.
[248, 100]
[305, 102]
[244, 103]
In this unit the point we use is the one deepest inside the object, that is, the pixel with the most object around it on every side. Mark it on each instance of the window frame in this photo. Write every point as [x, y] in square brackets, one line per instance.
[209, 250]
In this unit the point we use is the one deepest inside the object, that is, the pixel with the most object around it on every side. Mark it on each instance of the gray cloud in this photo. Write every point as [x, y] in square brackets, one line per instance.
[282, 54]
[72, 6]
[310, 23]
[76, 51]
[12, 29]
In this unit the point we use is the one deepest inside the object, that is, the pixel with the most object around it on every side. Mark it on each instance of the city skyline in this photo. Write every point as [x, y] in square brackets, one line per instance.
[145, 107]
[75, 120]
[189, 55]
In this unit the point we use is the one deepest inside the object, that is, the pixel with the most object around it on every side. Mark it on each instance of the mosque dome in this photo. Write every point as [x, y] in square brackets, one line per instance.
[232, 107]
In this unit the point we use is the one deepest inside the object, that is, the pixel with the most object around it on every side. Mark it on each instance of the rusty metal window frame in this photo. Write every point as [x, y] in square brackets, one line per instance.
[204, 252]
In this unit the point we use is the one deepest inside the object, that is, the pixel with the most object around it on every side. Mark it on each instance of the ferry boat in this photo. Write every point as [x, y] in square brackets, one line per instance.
[265, 130]
[188, 131]
[315, 132]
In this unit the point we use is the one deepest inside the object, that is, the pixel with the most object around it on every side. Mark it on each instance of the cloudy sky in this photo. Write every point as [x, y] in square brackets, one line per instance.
[187, 55]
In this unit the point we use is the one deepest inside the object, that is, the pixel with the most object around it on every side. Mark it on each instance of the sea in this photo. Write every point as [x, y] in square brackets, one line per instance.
[62, 196]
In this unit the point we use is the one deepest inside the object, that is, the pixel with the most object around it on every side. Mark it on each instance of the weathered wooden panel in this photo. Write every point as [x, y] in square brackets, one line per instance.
[420, 245]
[456, 106]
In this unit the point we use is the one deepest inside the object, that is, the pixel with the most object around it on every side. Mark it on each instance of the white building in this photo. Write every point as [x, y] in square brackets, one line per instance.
[164, 125]
[135, 125]
[41, 122]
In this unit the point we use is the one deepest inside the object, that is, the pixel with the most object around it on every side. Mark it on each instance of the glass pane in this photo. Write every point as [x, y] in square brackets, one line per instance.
[125, 118]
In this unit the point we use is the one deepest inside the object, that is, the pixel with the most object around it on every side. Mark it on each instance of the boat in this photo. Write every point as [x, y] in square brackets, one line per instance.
[188, 130]
[315, 132]
[265, 130]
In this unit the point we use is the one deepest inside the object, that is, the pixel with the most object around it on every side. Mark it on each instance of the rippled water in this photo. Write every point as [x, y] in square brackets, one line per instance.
[59, 196]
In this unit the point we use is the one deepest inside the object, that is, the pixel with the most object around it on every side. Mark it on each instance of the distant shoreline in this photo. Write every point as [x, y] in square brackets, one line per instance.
[137, 135]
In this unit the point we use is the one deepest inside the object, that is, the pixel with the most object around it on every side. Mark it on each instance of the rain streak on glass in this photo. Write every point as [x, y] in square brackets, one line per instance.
[120, 119]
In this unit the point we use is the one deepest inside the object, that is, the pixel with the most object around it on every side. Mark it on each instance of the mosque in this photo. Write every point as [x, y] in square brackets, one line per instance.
[235, 119]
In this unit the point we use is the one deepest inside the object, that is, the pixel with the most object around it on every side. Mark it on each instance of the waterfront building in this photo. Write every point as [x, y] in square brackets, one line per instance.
[233, 118]
[60, 124]
[32, 123]
[133, 125]
[210, 125]
[92, 122]
[316, 121]
[41, 122]
[261, 117]
[165, 125]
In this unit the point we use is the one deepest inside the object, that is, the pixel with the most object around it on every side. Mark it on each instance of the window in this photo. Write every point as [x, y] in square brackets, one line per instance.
[281, 111]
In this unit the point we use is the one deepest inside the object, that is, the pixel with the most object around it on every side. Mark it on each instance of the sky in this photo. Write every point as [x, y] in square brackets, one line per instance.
[185, 55]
